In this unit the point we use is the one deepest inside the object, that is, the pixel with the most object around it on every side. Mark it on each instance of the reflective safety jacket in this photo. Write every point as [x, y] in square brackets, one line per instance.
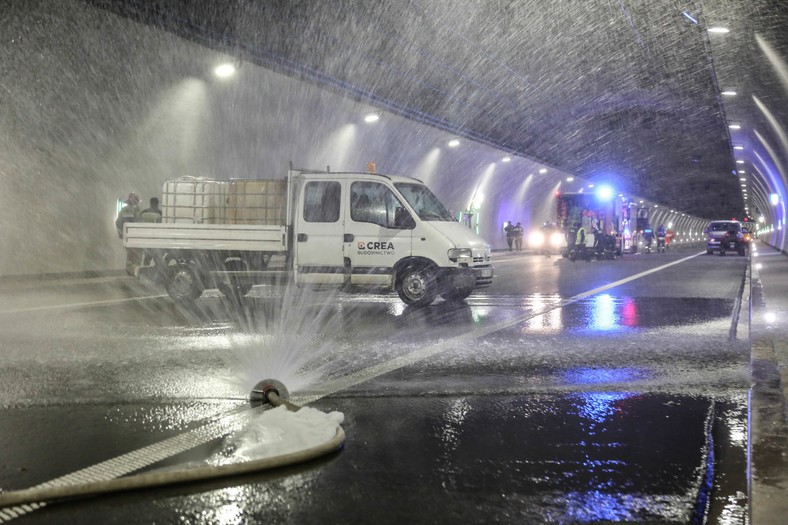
[128, 213]
[580, 237]
[150, 215]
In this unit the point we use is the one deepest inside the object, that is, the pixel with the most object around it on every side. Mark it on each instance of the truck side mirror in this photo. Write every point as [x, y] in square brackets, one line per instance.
[403, 219]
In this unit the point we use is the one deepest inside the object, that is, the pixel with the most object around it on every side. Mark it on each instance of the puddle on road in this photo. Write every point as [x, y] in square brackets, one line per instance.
[608, 313]
[565, 458]
[540, 458]
[599, 313]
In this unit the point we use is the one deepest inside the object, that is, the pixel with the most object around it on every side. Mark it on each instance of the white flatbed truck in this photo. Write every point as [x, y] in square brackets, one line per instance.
[316, 229]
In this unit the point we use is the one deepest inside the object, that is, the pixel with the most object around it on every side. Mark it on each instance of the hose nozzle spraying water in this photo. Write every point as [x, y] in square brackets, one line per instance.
[273, 392]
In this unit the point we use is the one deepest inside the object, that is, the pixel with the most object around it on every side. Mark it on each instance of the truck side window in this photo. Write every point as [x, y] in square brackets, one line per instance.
[376, 203]
[322, 201]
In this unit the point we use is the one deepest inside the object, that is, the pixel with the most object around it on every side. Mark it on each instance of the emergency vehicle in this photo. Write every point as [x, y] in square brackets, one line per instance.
[596, 212]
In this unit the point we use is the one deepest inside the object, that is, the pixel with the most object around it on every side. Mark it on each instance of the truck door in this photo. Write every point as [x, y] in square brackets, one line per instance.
[319, 232]
[378, 233]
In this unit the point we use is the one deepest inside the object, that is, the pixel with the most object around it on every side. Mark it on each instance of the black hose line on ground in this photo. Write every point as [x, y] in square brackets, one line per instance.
[158, 479]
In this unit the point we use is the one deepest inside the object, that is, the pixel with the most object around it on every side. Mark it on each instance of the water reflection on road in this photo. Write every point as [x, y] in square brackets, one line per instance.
[514, 408]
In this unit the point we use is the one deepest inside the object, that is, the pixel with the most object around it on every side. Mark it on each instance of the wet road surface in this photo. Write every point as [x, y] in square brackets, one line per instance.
[566, 392]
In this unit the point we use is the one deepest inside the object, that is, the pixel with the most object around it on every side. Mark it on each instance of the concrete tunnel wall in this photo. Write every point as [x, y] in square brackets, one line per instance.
[98, 106]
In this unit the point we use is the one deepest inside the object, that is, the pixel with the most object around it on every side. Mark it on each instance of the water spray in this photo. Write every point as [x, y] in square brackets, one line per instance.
[266, 392]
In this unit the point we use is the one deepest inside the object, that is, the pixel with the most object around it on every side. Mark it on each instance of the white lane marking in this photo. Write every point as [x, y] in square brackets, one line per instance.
[79, 305]
[331, 387]
[631, 278]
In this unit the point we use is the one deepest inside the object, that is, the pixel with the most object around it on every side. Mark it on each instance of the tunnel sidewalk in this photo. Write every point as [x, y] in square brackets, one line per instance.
[769, 368]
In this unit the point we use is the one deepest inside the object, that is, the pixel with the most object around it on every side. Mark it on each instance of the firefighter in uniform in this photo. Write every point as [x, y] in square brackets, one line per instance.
[580, 239]
[130, 212]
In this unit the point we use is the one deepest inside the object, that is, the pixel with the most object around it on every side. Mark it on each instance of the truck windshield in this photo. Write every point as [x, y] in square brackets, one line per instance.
[424, 202]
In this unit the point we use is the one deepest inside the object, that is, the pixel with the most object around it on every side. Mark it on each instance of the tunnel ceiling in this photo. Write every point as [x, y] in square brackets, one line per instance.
[624, 90]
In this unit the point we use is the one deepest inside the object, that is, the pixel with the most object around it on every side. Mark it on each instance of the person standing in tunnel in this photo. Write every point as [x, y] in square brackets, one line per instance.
[662, 233]
[509, 229]
[152, 214]
[648, 238]
[580, 240]
[130, 212]
[571, 237]
[518, 237]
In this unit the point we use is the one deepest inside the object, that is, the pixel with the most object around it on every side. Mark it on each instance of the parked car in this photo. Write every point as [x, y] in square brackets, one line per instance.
[716, 233]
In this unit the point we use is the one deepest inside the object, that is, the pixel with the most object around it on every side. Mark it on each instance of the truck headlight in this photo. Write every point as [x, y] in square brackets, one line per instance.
[460, 255]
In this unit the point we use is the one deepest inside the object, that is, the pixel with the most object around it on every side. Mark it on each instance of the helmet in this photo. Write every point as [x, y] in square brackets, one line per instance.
[133, 198]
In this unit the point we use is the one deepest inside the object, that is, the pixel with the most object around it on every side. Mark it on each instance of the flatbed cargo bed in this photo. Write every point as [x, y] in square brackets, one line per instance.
[234, 237]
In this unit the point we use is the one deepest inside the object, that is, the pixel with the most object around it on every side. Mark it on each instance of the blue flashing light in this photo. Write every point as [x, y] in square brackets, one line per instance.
[605, 193]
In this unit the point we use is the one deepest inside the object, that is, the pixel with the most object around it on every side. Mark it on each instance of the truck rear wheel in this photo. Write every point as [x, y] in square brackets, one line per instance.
[417, 285]
[183, 283]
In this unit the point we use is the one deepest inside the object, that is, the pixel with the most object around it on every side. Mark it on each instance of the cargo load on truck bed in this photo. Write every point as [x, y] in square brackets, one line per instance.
[197, 200]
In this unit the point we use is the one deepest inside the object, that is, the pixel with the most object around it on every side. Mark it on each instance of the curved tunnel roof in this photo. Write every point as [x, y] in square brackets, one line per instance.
[634, 92]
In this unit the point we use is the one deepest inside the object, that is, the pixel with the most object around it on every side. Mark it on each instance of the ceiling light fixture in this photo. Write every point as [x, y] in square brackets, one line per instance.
[453, 143]
[224, 70]
[719, 30]
[371, 117]
[689, 17]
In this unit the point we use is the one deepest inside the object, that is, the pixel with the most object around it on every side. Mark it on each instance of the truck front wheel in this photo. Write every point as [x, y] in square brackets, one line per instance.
[183, 283]
[417, 285]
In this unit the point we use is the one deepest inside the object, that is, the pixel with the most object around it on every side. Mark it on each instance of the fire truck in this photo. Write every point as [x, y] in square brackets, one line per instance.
[597, 212]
